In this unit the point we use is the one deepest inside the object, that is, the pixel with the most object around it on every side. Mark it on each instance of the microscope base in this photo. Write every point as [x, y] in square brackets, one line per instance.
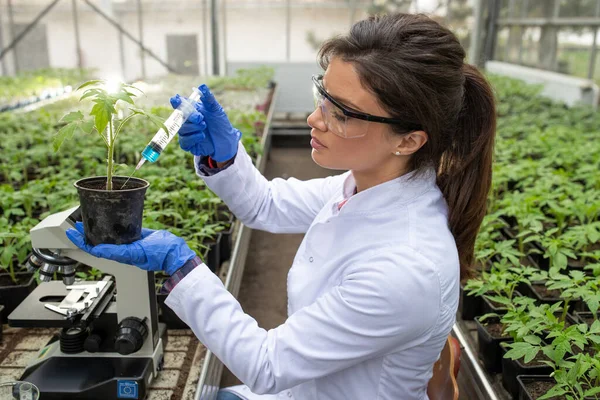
[88, 378]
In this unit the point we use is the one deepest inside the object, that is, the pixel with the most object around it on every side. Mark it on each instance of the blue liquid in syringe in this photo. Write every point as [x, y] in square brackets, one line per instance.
[150, 154]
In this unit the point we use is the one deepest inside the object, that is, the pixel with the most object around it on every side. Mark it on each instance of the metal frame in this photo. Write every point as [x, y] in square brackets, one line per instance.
[470, 367]
[129, 35]
[20, 36]
[555, 21]
[77, 37]
[17, 38]
[212, 368]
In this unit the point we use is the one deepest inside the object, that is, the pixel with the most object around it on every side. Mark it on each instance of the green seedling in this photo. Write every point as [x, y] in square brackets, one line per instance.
[105, 119]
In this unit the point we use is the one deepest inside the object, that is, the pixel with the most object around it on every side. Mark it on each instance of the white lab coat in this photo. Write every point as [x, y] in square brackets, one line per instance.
[372, 291]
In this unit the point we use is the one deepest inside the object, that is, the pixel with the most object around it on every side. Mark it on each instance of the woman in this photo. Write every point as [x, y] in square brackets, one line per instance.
[373, 290]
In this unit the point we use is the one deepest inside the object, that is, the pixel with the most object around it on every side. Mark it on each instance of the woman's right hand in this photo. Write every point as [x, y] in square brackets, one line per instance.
[207, 131]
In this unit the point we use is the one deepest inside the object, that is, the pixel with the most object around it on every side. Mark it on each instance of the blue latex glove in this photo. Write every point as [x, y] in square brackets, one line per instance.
[156, 251]
[219, 132]
[193, 137]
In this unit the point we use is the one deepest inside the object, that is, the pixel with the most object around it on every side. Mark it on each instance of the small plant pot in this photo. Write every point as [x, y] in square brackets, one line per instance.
[579, 306]
[1, 323]
[112, 216]
[543, 263]
[213, 257]
[11, 294]
[585, 317]
[226, 243]
[511, 369]
[470, 306]
[489, 349]
[533, 386]
[537, 290]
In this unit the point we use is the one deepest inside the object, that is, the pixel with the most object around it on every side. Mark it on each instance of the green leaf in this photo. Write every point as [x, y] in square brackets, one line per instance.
[72, 116]
[591, 392]
[90, 83]
[124, 96]
[102, 112]
[90, 93]
[518, 350]
[500, 299]
[533, 339]
[530, 354]
[87, 126]
[553, 392]
[66, 132]
[595, 328]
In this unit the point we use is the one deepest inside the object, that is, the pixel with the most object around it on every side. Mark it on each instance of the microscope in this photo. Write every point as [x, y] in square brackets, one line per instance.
[111, 344]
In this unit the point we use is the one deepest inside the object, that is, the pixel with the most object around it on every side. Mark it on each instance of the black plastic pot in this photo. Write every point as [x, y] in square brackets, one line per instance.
[225, 245]
[511, 369]
[489, 349]
[583, 317]
[12, 295]
[226, 241]
[213, 258]
[168, 316]
[524, 380]
[113, 216]
[543, 263]
[1, 316]
[524, 394]
[529, 291]
[470, 306]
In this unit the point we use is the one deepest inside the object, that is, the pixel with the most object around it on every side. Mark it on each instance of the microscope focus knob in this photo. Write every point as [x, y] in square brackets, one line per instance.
[93, 342]
[131, 335]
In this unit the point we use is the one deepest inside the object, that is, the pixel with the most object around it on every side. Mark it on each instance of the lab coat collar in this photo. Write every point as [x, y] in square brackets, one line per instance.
[397, 191]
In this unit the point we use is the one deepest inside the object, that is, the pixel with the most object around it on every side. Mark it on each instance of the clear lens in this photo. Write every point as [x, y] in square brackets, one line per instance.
[336, 121]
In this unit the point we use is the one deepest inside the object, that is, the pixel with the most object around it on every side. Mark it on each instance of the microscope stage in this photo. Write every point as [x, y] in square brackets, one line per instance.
[31, 313]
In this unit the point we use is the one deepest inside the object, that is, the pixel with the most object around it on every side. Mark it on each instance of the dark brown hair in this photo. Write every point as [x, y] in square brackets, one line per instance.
[415, 67]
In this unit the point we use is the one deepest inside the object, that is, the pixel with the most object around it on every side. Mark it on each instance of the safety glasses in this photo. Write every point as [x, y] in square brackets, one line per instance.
[343, 121]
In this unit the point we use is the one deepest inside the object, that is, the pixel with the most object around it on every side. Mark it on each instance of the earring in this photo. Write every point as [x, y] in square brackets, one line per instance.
[397, 153]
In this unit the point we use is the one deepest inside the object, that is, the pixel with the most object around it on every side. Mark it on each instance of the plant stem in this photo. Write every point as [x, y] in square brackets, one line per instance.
[563, 317]
[111, 149]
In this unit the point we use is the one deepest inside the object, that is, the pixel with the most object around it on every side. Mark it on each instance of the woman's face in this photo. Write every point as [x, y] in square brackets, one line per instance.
[360, 154]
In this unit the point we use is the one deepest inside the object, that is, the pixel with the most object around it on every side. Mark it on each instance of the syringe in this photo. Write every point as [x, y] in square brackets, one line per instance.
[161, 139]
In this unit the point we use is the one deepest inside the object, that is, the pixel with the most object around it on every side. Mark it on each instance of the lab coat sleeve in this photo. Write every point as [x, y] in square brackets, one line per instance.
[389, 302]
[278, 206]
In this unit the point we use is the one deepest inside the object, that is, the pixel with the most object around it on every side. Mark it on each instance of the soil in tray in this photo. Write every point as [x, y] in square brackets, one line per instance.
[537, 360]
[587, 319]
[545, 293]
[495, 330]
[588, 349]
[538, 389]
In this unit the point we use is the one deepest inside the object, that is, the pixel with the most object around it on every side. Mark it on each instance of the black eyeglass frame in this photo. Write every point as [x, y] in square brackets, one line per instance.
[358, 115]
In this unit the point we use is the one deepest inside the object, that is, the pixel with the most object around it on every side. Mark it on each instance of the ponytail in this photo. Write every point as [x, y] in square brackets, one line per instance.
[465, 168]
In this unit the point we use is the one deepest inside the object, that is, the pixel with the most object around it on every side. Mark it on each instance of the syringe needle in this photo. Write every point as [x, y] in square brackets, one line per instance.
[142, 161]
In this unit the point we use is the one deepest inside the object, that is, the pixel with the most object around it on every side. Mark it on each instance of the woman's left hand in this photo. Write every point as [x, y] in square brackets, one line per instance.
[155, 251]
